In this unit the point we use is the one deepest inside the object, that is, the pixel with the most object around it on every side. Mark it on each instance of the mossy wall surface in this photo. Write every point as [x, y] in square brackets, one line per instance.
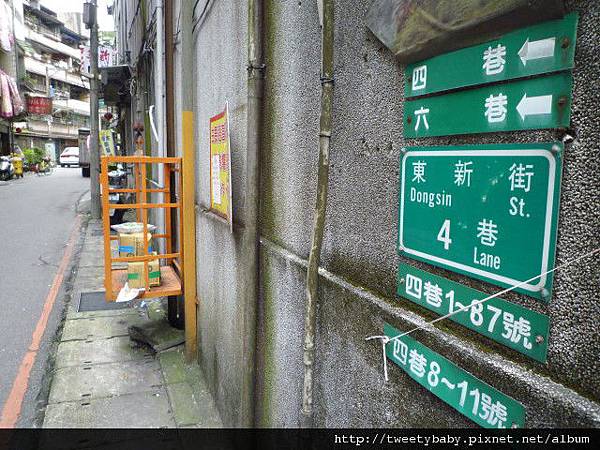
[359, 250]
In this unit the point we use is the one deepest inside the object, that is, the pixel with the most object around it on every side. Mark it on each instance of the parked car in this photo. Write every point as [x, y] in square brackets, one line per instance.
[69, 157]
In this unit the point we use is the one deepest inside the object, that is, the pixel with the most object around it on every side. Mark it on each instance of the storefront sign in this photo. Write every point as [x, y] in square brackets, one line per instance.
[107, 57]
[522, 105]
[39, 105]
[107, 142]
[487, 211]
[543, 48]
[470, 396]
[220, 166]
[508, 324]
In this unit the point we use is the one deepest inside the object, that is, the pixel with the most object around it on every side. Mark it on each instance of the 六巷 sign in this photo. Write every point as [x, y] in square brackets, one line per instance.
[487, 211]
[543, 102]
[543, 48]
[508, 324]
[220, 166]
[470, 396]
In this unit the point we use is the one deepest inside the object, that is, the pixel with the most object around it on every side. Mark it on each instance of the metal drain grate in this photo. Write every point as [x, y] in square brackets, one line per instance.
[95, 301]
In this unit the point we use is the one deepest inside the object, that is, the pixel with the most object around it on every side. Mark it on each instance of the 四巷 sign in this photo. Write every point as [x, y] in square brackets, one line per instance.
[543, 48]
[487, 211]
[220, 166]
[508, 324]
[543, 102]
[470, 396]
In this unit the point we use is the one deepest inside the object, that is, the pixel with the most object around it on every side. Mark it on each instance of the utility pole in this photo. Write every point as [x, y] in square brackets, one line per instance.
[94, 126]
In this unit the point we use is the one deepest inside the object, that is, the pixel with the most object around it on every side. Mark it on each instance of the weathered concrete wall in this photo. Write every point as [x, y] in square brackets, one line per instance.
[357, 293]
[359, 252]
[220, 74]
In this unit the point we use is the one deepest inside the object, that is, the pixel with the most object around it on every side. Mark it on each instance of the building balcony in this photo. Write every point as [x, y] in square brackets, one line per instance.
[38, 67]
[53, 45]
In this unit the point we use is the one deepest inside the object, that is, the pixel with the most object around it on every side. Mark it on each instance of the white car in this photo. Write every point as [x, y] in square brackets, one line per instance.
[69, 157]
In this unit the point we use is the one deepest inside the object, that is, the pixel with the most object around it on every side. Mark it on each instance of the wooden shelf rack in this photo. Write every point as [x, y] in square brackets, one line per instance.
[172, 267]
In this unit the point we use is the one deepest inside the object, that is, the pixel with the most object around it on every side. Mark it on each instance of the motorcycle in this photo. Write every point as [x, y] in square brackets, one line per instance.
[45, 167]
[117, 179]
[17, 161]
[7, 170]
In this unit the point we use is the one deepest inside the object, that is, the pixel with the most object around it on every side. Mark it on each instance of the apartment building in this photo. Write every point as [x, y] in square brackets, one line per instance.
[56, 92]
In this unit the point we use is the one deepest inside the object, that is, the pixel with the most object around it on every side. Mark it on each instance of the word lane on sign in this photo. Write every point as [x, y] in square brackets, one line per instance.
[521, 105]
[544, 48]
[486, 211]
[470, 396]
[508, 324]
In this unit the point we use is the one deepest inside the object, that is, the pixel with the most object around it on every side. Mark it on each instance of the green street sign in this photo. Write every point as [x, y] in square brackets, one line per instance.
[522, 105]
[470, 396]
[543, 48]
[486, 211]
[508, 324]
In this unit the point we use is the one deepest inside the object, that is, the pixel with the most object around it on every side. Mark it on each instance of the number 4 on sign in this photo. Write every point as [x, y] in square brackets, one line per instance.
[444, 234]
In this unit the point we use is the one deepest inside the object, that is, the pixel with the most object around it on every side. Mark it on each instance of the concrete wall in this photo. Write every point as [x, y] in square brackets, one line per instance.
[360, 241]
[220, 74]
[359, 255]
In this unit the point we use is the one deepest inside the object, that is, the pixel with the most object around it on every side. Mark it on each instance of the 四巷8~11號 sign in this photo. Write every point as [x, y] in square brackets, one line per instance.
[487, 211]
[470, 396]
[543, 48]
[535, 103]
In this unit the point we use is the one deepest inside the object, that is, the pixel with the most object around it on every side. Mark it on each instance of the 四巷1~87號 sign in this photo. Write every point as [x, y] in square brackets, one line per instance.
[486, 211]
[543, 48]
[511, 325]
[470, 396]
[543, 102]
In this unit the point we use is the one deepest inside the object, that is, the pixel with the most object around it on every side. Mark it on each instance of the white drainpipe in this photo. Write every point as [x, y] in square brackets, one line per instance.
[159, 117]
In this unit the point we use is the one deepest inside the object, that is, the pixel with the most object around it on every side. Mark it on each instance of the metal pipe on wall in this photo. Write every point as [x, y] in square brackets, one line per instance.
[175, 308]
[312, 275]
[251, 231]
[159, 100]
[95, 207]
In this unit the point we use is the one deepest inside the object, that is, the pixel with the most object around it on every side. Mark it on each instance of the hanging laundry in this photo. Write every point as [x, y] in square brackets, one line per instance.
[6, 35]
[6, 109]
[17, 101]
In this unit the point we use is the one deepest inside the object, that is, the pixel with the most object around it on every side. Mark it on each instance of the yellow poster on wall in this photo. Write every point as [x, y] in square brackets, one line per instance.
[220, 166]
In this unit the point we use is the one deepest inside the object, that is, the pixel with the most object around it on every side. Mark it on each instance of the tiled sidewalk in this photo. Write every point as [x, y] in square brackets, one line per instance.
[102, 379]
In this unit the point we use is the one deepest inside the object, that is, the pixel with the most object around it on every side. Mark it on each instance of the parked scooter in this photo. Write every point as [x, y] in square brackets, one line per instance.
[17, 161]
[45, 167]
[117, 179]
[7, 170]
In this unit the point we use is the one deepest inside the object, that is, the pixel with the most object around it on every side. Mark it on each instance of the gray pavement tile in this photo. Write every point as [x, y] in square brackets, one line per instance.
[172, 364]
[104, 380]
[74, 315]
[78, 353]
[185, 407]
[144, 410]
[99, 327]
[92, 258]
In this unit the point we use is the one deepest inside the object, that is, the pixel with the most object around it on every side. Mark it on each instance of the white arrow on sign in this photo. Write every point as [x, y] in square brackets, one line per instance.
[544, 48]
[531, 106]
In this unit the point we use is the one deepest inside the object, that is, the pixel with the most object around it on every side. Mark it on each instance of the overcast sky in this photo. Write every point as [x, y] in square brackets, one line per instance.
[105, 22]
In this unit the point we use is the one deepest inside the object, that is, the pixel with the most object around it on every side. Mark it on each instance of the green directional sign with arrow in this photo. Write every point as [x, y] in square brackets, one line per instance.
[543, 48]
[543, 102]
